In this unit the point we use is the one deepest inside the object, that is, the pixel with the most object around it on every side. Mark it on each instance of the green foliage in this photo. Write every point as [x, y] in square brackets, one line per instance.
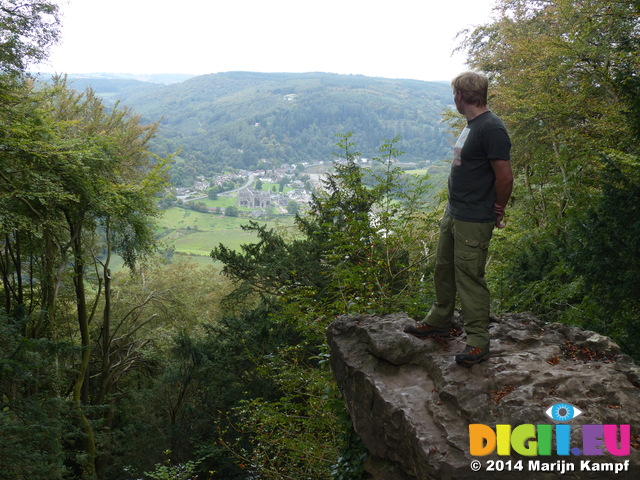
[362, 245]
[169, 471]
[293, 207]
[296, 435]
[561, 96]
[76, 184]
[29, 28]
[112, 371]
[350, 463]
[583, 276]
[604, 243]
[357, 249]
[212, 193]
[535, 276]
[372, 224]
[231, 211]
[35, 420]
[193, 364]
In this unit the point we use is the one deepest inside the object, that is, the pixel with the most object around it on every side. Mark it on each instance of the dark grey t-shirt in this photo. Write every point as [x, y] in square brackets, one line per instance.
[472, 180]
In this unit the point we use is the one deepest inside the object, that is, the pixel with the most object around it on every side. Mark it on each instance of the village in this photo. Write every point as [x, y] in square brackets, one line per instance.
[259, 192]
[285, 190]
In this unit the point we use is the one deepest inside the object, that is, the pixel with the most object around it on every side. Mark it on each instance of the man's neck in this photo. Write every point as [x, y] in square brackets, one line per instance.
[472, 111]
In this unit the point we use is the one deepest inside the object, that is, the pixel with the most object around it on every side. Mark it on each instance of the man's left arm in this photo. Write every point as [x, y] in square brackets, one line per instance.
[504, 186]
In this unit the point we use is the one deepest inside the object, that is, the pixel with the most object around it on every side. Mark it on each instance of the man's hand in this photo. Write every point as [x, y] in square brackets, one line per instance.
[504, 185]
[499, 211]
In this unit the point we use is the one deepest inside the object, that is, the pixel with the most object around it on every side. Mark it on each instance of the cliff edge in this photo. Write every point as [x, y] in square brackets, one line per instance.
[412, 405]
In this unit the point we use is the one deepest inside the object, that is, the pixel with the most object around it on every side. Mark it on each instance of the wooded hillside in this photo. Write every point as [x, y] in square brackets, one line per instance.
[244, 119]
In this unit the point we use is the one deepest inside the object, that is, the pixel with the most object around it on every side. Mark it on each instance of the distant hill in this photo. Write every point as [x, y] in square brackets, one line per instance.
[161, 78]
[244, 119]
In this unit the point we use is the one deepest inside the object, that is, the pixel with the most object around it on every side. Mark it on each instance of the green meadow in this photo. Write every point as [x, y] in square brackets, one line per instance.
[195, 234]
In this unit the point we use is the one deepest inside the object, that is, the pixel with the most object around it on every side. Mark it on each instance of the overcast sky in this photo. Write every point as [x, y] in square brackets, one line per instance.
[386, 38]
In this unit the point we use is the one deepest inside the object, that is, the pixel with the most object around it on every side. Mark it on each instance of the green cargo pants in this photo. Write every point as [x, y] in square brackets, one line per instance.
[461, 257]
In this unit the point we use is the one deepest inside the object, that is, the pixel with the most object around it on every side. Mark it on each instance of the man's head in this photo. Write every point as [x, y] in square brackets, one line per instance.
[470, 87]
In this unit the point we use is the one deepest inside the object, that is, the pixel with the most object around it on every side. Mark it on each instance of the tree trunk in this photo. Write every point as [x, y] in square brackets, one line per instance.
[80, 396]
[105, 370]
[6, 281]
[42, 327]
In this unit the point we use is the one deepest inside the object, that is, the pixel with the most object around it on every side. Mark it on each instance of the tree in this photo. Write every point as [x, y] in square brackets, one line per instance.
[293, 207]
[359, 244]
[231, 211]
[148, 386]
[110, 174]
[36, 424]
[564, 97]
[212, 193]
[358, 249]
[605, 238]
[78, 184]
[27, 29]
[27, 225]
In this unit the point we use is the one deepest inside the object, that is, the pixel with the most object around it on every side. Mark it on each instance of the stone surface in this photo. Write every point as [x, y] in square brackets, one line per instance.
[412, 404]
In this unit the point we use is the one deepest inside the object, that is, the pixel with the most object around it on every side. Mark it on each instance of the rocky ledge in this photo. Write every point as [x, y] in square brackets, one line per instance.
[412, 405]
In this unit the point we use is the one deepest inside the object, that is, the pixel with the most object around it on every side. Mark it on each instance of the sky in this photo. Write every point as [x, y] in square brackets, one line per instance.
[410, 39]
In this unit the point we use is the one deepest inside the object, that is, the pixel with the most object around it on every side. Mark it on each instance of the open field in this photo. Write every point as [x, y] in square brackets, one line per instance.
[195, 234]
[220, 202]
[418, 172]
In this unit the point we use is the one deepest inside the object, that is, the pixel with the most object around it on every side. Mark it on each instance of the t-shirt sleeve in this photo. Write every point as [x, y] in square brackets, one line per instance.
[497, 143]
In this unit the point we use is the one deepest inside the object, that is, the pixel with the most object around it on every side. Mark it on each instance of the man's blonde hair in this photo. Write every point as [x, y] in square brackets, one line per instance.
[473, 87]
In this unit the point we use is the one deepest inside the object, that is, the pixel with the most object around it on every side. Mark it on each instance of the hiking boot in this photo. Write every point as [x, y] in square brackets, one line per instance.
[424, 330]
[472, 355]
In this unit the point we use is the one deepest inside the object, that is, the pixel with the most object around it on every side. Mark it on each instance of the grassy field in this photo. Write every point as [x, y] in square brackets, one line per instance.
[221, 202]
[195, 234]
[418, 172]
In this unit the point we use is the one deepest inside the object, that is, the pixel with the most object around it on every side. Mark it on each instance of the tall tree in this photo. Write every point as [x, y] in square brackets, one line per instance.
[30, 227]
[107, 169]
[359, 242]
[27, 29]
[362, 247]
[76, 183]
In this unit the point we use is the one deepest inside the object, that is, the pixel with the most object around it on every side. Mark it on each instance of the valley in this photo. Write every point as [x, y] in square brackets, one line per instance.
[254, 146]
[194, 222]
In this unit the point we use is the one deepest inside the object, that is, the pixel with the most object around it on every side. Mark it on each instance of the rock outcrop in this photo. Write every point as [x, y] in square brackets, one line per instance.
[412, 405]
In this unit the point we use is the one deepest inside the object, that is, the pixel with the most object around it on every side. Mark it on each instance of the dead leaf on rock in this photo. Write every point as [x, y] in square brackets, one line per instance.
[500, 394]
[553, 361]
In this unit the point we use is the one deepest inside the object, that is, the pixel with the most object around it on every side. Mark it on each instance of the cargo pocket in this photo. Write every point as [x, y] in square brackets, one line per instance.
[471, 255]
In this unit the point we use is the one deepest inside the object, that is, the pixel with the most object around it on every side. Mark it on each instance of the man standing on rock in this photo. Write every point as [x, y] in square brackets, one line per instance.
[480, 184]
